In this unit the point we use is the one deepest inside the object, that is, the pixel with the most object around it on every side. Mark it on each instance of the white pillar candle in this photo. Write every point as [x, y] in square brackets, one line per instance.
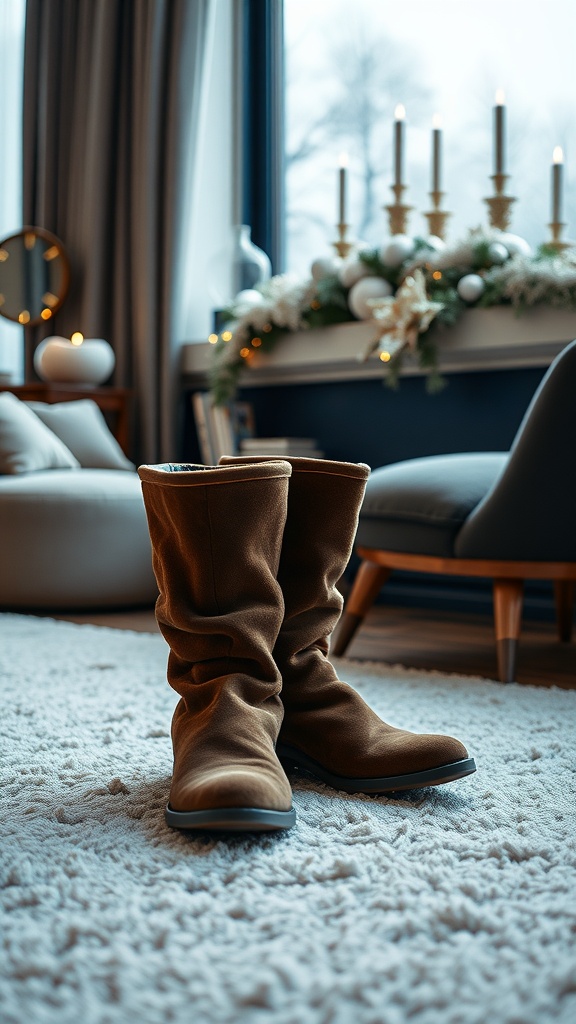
[399, 130]
[436, 153]
[342, 183]
[499, 133]
[557, 184]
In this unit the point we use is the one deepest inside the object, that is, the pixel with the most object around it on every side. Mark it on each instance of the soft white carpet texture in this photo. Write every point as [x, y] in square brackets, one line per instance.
[455, 905]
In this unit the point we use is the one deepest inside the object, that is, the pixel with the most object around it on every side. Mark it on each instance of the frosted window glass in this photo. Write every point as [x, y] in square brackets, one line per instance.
[349, 64]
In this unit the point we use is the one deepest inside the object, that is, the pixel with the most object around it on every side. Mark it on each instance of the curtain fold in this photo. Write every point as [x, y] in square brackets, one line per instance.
[113, 98]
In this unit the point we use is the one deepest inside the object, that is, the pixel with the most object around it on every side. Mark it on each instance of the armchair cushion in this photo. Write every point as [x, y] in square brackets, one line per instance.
[26, 444]
[420, 505]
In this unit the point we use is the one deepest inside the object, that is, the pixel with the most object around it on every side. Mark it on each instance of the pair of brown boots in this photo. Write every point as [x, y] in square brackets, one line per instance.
[247, 556]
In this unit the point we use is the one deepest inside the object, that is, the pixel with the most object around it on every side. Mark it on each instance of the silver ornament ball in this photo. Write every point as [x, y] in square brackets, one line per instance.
[470, 287]
[498, 253]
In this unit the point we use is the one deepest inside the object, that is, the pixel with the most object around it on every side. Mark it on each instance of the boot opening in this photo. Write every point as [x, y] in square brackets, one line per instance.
[179, 467]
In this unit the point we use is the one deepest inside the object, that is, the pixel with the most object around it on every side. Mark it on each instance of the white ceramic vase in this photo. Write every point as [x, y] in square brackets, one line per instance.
[251, 265]
[58, 360]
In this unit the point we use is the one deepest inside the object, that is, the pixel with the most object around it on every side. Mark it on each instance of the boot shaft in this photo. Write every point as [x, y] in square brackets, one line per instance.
[324, 501]
[216, 541]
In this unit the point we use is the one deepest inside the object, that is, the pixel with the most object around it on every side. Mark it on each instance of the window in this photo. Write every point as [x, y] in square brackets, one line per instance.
[348, 65]
[11, 61]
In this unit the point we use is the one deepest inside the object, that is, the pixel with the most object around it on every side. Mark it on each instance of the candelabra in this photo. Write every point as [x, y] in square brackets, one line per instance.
[398, 211]
[436, 217]
[557, 227]
[341, 245]
[499, 204]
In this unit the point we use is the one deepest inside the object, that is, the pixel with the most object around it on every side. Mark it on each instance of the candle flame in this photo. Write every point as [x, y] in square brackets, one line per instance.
[343, 159]
[558, 155]
[499, 97]
[77, 338]
[436, 121]
[400, 112]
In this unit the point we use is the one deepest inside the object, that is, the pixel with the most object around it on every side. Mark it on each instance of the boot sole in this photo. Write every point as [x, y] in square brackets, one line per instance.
[291, 758]
[231, 819]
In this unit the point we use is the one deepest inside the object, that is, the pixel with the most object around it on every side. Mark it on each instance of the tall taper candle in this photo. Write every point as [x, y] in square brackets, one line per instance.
[557, 176]
[499, 133]
[436, 152]
[399, 126]
[343, 161]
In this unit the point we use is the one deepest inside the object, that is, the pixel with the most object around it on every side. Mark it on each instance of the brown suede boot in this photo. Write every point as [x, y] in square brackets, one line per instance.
[216, 537]
[328, 729]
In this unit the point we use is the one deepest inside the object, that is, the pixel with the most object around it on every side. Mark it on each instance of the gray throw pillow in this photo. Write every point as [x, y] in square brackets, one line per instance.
[26, 444]
[83, 429]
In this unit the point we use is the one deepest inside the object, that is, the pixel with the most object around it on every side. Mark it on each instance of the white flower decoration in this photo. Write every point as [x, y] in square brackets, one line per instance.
[402, 317]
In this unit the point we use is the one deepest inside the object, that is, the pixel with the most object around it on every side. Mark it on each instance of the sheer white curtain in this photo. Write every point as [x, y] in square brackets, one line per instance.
[11, 62]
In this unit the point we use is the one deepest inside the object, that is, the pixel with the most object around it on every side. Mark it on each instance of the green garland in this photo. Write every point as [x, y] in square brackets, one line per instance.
[522, 281]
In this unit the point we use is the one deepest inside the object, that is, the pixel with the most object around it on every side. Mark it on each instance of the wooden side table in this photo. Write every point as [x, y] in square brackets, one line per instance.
[114, 402]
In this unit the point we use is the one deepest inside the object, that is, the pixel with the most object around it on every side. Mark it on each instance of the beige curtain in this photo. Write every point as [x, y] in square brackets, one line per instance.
[112, 108]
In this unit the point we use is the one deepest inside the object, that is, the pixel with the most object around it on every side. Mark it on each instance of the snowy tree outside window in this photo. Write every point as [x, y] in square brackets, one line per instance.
[348, 65]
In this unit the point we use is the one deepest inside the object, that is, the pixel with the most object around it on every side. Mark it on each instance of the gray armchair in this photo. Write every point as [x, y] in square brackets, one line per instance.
[508, 516]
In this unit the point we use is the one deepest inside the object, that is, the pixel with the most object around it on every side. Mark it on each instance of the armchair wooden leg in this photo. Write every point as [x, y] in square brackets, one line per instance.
[369, 579]
[564, 593]
[508, 597]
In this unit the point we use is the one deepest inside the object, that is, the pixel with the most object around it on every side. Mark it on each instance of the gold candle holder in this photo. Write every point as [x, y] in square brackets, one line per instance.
[436, 217]
[499, 204]
[398, 211]
[341, 245]
[557, 227]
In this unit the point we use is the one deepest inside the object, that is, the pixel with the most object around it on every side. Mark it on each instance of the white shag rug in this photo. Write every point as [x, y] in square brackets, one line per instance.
[454, 905]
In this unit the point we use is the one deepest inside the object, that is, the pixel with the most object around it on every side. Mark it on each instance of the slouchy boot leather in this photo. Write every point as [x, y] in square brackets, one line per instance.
[328, 729]
[216, 536]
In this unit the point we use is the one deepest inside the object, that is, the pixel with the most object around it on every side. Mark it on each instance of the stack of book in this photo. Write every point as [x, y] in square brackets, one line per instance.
[229, 430]
[276, 447]
[214, 427]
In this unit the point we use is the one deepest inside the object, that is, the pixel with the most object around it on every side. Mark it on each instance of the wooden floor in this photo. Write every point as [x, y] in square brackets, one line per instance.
[443, 641]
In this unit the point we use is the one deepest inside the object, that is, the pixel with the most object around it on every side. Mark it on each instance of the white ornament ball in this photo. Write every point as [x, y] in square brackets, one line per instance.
[470, 287]
[498, 253]
[325, 266]
[365, 289]
[351, 271]
[435, 243]
[515, 245]
[249, 297]
[397, 250]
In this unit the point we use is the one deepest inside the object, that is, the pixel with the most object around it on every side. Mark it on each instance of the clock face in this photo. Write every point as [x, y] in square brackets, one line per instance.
[34, 276]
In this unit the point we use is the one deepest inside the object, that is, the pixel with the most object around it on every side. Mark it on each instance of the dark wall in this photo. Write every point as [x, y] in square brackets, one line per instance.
[364, 421]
